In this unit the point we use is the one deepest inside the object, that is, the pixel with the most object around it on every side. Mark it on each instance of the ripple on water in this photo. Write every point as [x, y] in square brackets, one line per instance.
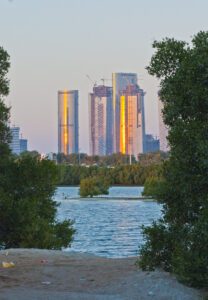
[109, 228]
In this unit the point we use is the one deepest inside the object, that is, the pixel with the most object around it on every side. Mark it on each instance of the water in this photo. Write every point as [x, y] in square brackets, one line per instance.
[109, 228]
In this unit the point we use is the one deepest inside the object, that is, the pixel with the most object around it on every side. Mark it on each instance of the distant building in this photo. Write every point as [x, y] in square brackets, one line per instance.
[68, 122]
[120, 82]
[101, 121]
[17, 145]
[151, 144]
[51, 156]
[132, 131]
[23, 145]
[15, 140]
[163, 129]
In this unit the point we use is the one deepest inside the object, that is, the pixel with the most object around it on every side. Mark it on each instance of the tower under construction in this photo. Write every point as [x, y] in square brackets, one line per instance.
[101, 120]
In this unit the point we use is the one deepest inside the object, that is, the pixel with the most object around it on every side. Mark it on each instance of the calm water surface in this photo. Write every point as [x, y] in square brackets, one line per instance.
[109, 228]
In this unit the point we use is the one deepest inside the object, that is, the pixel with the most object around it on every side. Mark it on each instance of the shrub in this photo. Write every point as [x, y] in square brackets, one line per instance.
[93, 186]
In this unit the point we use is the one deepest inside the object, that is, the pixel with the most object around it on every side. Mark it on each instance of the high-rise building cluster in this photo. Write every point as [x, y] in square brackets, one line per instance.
[116, 119]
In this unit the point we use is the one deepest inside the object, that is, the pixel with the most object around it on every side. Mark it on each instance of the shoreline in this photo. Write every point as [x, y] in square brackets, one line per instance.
[50, 274]
[150, 199]
[114, 185]
[107, 197]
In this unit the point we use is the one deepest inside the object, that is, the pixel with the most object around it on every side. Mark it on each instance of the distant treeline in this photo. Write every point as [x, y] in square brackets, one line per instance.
[135, 174]
[115, 159]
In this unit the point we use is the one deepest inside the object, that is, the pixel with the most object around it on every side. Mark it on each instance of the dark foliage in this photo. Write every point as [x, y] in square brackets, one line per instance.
[179, 241]
[121, 174]
[27, 185]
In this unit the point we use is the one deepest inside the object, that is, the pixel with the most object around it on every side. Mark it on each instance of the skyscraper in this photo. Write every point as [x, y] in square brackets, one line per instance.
[120, 82]
[101, 120]
[68, 123]
[15, 140]
[132, 131]
[163, 129]
[17, 145]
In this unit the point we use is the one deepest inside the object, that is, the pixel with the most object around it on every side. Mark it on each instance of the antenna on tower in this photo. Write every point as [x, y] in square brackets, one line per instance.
[105, 79]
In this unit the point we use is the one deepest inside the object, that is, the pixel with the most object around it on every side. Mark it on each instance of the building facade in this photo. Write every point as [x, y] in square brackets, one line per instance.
[15, 140]
[17, 145]
[23, 145]
[68, 122]
[101, 121]
[120, 81]
[163, 130]
[132, 131]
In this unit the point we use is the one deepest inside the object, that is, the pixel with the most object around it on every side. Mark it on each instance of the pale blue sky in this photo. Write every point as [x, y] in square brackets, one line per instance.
[53, 44]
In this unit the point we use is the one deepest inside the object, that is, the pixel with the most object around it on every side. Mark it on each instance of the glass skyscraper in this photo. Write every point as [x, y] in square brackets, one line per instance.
[15, 140]
[132, 131]
[120, 82]
[101, 120]
[68, 122]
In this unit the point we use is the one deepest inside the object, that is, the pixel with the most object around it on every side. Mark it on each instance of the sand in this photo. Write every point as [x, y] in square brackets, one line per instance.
[48, 274]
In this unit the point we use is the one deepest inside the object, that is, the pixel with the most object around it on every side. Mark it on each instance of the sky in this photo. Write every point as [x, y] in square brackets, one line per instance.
[54, 44]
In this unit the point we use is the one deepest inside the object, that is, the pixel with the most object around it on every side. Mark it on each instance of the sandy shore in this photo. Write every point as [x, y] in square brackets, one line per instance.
[43, 274]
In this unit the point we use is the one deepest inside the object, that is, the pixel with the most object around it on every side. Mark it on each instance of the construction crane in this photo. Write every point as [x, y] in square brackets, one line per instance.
[90, 79]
